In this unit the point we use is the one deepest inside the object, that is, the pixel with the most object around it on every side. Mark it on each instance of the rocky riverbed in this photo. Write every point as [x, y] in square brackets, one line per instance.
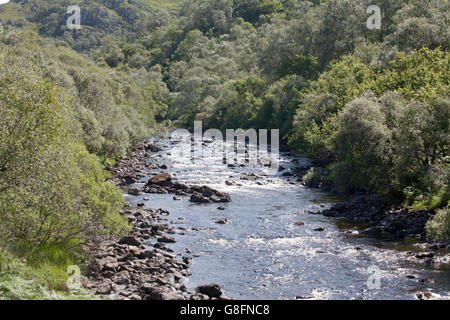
[130, 267]
[270, 226]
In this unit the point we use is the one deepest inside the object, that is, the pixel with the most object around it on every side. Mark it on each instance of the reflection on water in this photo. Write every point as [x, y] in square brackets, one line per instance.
[271, 249]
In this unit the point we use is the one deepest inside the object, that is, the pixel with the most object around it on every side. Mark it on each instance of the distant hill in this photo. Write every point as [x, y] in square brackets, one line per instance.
[121, 19]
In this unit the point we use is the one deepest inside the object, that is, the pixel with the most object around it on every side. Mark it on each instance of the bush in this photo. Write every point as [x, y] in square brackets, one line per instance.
[394, 146]
[314, 177]
[364, 147]
[439, 227]
[115, 108]
[52, 191]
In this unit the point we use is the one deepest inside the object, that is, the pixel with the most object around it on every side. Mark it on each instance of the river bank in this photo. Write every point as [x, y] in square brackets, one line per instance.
[381, 218]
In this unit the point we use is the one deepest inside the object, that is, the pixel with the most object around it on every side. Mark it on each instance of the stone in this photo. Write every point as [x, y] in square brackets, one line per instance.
[125, 257]
[135, 191]
[223, 221]
[166, 239]
[159, 293]
[424, 255]
[103, 288]
[145, 254]
[433, 247]
[162, 179]
[212, 290]
[130, 240]
[153, 147]
[122, 278]
[129, 179]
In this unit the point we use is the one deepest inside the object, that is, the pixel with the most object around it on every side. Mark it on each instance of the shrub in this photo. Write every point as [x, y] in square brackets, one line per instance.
[439, 227]
[364, 147]
[314, 177]
[52, 191]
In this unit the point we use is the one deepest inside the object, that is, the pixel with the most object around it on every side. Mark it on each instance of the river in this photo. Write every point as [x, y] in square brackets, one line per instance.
[272, 250]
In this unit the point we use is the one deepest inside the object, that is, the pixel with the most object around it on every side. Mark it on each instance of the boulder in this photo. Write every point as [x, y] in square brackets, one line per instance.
[199, 198]
[129, 179]
[212, 290]
[166, 239]
[121, 278]
[424, 255]
[103, 288]
[134, 191]
[208, 195]
[162, 179]
[153, 147]
[130, 240]
[224, 221]
[163, 294]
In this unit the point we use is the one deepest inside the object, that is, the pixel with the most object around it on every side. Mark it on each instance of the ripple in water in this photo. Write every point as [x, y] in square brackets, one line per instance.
[271, 251]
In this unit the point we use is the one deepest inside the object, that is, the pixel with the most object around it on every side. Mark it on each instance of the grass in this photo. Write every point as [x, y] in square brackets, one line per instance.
[22, 281]
[439, 227]
[420, 202]
[171, 5]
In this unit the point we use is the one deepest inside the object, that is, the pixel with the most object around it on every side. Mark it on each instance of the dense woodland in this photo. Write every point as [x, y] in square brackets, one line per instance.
[369, 107]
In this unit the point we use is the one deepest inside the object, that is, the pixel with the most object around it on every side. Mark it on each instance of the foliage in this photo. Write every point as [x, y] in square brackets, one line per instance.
[52, 191]
[439, 227]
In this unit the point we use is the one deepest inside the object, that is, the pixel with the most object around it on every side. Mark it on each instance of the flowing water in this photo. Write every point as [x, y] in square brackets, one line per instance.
[271, 251]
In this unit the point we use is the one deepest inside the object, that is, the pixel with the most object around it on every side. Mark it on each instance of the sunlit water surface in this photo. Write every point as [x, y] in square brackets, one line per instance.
[271, 251]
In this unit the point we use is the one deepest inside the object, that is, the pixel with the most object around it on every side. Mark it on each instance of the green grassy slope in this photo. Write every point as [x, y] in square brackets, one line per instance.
[170, 5]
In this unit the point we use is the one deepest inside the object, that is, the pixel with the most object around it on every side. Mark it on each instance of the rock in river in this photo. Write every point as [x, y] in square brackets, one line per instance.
[204, 194]
[135, 191]
[162, 179]
[166, 239]
[223, 221]
[211, 290]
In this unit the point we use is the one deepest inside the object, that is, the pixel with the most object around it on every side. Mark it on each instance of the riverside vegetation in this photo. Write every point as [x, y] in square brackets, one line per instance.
[369, 107]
